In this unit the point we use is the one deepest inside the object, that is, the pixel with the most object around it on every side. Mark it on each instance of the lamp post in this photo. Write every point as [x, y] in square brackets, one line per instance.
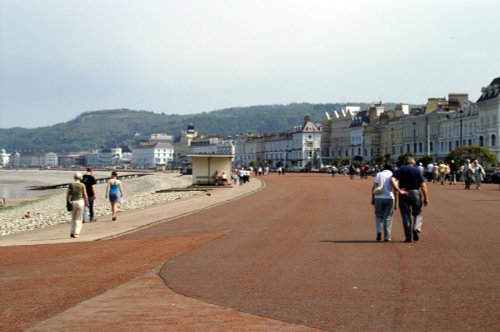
[459, 115]
[392, 143]
[414, 139]
[461, 112]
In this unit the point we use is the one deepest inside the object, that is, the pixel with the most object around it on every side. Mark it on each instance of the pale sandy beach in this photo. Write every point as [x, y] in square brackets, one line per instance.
[48, 207]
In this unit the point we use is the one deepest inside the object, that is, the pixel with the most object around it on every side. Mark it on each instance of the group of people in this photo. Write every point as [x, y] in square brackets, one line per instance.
[469, 173]
[259, 171]
[243, 175]
[404, 188]
[82, 194]
[473, 173]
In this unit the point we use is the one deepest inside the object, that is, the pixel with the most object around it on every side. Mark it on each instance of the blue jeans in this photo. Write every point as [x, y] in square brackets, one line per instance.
[384, 209]
[91, 209]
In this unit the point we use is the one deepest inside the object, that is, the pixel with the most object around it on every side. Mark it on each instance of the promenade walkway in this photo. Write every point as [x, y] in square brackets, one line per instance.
[298, 255]
[130, 221]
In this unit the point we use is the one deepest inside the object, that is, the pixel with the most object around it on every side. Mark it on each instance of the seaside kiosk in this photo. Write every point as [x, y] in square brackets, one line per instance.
[207, 165]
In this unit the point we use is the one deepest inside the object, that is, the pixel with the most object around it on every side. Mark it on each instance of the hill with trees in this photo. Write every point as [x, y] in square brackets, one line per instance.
[108, 128]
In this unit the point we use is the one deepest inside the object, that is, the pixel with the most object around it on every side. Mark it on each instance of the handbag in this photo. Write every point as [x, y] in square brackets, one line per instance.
[380, 187]
[69, 206]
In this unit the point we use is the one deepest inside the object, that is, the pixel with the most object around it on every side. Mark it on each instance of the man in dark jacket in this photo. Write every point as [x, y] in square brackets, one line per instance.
[89, 182]
[413, 196]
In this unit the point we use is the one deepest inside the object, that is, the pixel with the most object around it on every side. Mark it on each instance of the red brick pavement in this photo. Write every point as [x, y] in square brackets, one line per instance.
[301, 251]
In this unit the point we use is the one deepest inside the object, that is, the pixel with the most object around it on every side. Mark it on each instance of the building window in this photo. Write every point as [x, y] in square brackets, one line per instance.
[493, 140]
[449, 147]
[481, 141]
[431, 147]
[420, 147]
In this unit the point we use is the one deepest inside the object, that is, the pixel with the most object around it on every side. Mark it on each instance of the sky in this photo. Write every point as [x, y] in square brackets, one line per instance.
[60, 58]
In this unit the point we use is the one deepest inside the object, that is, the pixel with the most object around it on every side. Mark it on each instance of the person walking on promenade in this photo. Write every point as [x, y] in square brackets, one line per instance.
[429, 172]
[478, 172]
[422, 169]
[442, 171]
[413, 196]
[78, 196]
[467, 174]
[384, 202]
[352, 171]
[115, 192]
[89, 182]
[453, 172]
[364, 172]
[435, 173]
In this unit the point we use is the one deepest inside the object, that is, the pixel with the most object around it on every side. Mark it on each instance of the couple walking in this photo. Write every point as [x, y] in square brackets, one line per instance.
[81, 194]
[404, 188]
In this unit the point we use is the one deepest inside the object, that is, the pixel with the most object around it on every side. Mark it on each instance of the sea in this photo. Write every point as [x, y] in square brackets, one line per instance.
[16, 185]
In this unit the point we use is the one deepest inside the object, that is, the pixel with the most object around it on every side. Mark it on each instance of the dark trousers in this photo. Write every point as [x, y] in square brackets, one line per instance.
[410, 207]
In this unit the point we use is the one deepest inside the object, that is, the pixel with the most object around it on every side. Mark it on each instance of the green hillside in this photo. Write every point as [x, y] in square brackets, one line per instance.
[99, 129]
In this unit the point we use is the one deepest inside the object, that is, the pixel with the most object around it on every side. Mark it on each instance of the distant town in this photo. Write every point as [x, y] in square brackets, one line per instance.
[351, 135]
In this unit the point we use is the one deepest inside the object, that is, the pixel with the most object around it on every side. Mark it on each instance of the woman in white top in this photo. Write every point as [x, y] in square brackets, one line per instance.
[384, 201]
[78, 196]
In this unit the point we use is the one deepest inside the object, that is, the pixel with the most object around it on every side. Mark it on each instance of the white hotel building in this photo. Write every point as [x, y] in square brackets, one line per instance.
[152, 155]
[294, 150]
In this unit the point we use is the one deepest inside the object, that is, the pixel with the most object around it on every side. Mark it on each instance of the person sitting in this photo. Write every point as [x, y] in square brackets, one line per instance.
[220, 178]
[216, 177]
[223, 178]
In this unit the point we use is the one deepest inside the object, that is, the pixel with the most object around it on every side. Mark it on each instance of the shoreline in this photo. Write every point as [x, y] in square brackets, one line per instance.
[50, 209]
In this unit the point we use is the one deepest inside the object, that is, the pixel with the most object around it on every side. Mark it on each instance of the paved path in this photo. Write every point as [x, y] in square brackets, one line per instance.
[297, 255]
[130, 221]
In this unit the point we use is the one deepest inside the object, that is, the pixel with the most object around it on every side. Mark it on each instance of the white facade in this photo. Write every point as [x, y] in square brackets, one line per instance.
[51, 160]
[293, 150]
[489, 117]
[110, 157]
[336, 136]
[309, 142]
[151, 155]
[279, 151]
[249, 150]
[216, 146]
[4, 158]
[455, 126]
